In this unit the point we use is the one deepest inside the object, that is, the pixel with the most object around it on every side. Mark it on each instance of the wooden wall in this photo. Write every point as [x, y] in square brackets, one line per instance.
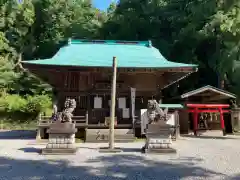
[84, 86]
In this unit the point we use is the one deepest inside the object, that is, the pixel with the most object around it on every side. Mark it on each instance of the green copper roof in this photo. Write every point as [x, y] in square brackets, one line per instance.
[171, 106]
[86, 53]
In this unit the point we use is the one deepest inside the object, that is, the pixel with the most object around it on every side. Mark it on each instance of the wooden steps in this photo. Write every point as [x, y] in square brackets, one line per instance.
[102, 135]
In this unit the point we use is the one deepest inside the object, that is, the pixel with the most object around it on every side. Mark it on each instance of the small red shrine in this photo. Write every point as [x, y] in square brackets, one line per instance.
[207, 108]
[195, 109]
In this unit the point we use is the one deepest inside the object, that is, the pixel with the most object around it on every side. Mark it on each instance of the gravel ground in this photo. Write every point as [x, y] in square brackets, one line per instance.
[197, 158]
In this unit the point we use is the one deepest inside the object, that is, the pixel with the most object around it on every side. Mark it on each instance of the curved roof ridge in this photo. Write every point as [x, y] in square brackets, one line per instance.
[110, 42]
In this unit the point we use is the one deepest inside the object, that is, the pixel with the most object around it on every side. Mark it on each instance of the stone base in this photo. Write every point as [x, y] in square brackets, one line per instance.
[58, 151]
[236, 133]
[160, 151]
[108, 150]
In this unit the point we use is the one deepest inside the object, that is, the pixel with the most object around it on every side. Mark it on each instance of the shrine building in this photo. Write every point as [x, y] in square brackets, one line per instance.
[82, 69]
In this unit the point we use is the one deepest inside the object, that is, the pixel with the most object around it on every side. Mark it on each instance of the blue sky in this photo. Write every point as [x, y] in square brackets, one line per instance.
[102, 4]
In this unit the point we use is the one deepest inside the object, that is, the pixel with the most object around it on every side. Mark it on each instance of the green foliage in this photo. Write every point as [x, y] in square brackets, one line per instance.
[235, 81]
[38, 103]
[7, 74]
[57, 20]
[13, 103]
[16, 21]
[28, 105]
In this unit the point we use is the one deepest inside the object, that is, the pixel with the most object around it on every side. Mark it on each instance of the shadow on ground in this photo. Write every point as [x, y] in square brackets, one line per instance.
[18, 134]
[117, 167]
[31, 150]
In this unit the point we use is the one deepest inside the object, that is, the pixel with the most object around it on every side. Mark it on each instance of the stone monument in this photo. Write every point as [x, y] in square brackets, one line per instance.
[158, 132]
[62, 132]
[235, 117]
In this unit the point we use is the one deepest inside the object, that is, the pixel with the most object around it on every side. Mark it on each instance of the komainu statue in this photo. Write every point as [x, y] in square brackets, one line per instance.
[69, 107]
[155, 113]
[66, 115]
[158, 132]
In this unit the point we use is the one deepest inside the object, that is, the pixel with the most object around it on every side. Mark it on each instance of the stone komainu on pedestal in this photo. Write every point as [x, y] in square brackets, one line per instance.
[158, 133]
[61, 138]
[67, 113]
[69, 106]
[235, 117]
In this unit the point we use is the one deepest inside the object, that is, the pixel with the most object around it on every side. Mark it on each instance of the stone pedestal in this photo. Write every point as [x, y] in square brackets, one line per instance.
[61, 139]
[158, 138]
[235, 119]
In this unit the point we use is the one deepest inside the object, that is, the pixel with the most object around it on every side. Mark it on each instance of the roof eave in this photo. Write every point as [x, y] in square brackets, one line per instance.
[189, 68]
[205, 88]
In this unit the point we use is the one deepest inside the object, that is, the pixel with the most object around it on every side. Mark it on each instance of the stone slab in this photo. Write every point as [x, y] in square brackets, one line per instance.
[59, 151]
[160, 151]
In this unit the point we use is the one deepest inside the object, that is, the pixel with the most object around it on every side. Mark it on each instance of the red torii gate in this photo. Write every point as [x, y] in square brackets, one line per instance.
[208, 108]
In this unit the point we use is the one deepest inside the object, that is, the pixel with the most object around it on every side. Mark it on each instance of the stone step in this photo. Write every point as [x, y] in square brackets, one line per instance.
[106, 138]
[106, 131]
[106, 141]
[117, 136]
[102, 135]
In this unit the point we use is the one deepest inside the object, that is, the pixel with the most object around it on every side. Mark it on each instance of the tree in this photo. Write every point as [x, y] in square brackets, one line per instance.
[16, 21]
[57, 20]
[186, 31]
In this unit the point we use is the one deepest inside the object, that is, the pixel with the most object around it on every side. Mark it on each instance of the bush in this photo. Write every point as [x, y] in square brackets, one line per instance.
[38, 103]
[12, 103]
[28, 105]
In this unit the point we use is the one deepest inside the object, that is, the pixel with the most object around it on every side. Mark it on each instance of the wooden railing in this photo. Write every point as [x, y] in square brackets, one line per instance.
[45, 121]
[97, 118]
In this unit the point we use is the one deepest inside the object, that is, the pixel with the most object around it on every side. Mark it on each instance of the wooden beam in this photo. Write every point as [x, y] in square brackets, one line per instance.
[208, 105]
[208, 111]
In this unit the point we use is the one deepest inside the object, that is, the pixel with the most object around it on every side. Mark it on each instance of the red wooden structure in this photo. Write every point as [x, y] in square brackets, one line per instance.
[207, 108]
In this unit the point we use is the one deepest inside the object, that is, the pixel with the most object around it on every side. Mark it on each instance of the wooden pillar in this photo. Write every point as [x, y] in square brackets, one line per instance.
[89, 112]
[222, 122]
[113, 105]
[195, 121]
